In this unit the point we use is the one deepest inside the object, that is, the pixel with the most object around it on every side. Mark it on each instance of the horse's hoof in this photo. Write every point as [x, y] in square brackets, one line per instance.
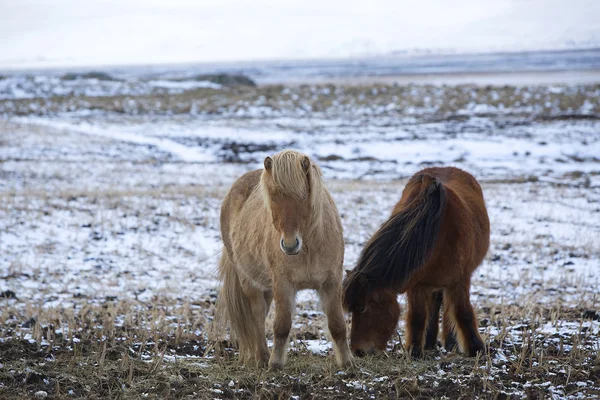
[262, 360]
[475, 353]
[347, 363]
[450, 343]
[431, 345]
[275, 366]
[360, 353]
[416, 353]
[450, 347]
[475, 350]
[476, 346]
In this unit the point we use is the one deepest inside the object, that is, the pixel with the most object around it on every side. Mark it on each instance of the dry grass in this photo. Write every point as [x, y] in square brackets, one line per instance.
[370, 99]
[135, 350]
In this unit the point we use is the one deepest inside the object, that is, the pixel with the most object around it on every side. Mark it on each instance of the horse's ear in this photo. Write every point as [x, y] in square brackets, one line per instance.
[305, 163]
[268, 163]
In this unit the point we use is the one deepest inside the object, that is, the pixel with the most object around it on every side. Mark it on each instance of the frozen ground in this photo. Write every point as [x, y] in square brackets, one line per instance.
[110, 235]
[23, 86]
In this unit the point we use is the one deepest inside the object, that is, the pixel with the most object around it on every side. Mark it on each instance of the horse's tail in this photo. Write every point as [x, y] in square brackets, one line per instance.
[233, 309]
[400, 246]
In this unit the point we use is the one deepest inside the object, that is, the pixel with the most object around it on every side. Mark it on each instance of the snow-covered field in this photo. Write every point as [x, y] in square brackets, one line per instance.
[109, 234]
[171, 176]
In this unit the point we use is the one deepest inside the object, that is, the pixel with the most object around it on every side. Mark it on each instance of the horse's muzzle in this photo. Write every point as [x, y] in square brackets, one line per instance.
[371, 351]
[291, 251]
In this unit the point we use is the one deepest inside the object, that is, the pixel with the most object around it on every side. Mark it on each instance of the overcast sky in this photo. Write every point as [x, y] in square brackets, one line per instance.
[37, 33]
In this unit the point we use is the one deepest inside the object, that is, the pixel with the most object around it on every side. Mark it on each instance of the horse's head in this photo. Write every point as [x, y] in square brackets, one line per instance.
[374, 321]
[291, 184]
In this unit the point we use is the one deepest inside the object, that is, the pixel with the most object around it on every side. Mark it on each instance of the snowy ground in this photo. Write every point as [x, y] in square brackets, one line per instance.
[110, 235]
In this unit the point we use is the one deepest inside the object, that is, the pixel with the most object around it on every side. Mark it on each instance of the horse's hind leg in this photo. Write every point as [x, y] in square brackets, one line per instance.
[285, 299]
[448, 327]
[419, 304]
[331, 300]
[448, 334]
[464, 318]
[434, 321]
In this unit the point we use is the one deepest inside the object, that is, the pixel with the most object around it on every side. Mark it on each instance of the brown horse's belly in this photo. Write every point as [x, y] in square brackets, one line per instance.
[433, 277]
[447, 267]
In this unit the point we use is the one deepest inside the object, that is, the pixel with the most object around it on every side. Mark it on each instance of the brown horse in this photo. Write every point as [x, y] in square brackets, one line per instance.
[437, 236]
[281, 233]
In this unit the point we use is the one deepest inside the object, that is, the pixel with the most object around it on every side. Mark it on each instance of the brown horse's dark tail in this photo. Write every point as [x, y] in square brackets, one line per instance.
[400, 247]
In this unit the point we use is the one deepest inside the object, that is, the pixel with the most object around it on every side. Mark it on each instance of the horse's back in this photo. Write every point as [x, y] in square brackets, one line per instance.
[454, 178]
[234, 201]
[463, 190]
[466, 196]
[466, 221]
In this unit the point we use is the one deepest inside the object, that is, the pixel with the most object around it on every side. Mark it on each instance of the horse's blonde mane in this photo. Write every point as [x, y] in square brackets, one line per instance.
[289, 178]
[288, 174]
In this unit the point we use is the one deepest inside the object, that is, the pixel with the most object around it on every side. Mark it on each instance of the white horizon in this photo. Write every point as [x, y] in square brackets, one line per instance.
[67, 33]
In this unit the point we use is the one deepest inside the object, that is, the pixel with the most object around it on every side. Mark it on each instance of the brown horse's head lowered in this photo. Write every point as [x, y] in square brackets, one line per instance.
[374, 322]
[437, 235]
[290, 184]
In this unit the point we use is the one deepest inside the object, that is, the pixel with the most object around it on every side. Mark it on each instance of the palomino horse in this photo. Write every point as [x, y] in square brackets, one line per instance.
[438, 233]
[281, 233]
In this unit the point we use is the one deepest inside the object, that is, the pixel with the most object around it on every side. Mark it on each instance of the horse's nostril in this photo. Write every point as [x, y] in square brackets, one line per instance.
[290, 250]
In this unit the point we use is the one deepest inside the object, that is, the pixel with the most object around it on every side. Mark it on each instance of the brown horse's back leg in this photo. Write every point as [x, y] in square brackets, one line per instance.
[419, 304]
[448, 327]
[434, 321]
[464, 318]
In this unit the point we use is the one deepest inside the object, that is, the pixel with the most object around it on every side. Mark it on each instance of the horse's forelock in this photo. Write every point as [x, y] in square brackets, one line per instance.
[288, 177]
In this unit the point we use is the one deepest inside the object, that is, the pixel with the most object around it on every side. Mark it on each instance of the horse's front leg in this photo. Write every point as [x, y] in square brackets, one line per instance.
[259, 307]
[331, 299]
[419, 305]
[285, 304]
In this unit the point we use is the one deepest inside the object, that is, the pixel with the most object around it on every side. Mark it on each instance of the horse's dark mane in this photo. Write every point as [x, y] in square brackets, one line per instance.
[401, 245]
